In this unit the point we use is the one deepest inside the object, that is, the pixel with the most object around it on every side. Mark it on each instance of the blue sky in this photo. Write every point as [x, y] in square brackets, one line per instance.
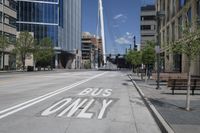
[122, 21]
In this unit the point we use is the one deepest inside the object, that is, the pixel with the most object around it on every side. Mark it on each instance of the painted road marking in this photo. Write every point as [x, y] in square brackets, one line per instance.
[79, 107]
[9, 111]
[70, 107]
[96, 92]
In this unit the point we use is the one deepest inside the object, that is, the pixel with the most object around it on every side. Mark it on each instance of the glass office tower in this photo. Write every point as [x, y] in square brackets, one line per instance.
[58, 19]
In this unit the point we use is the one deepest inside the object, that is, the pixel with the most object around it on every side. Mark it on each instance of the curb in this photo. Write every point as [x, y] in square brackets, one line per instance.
[163, 125]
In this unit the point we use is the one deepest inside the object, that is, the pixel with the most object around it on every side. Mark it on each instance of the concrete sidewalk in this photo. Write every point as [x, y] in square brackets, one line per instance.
[172, 107]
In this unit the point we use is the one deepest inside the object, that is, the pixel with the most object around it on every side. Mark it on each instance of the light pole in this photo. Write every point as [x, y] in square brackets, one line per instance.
[159, 14]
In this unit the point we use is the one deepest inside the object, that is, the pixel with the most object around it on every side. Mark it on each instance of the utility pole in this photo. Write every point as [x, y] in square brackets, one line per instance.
[102, 30]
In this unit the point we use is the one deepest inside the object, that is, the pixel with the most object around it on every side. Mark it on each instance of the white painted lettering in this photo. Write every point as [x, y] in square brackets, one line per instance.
[105, 105]
[54, 108]
[83, 113]
[96, 92]
[107, 92]
[85, 92]
[74, 107]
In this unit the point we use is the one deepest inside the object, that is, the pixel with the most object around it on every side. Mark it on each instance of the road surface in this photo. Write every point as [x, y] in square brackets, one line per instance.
[72, 102]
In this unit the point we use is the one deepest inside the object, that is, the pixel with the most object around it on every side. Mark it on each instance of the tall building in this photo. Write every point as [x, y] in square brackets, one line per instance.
[170, 30]
[92, 53]
[148, 24]
[58, 19]
[8, 29]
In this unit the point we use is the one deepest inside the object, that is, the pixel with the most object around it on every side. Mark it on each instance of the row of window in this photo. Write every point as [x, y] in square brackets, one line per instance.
[188, 18]
[7, 20]
[148, 18]
[40, 31]
[37, 12]
[171, 7]
[9, 3]
[11, 38]
[148, 27]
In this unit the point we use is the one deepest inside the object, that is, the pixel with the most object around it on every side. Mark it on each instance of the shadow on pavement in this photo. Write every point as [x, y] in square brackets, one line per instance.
[159, 103]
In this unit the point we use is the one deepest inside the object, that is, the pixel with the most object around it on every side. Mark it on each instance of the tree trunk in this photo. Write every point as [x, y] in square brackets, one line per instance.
[146, 75]
[137, 71]
[23, 63]
[2, 54]
[188, 88]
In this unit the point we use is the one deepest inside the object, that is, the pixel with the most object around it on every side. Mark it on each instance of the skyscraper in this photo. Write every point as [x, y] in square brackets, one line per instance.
[58, 19]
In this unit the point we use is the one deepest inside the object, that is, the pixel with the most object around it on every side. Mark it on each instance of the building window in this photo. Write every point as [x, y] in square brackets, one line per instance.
[182, 3]
[146, 27]
[198, 8]
[189, 15]
[12, 4]
[180, 26]
[143, 18]
[0, 16]
[173, 7]
[163, 37]
[173, 31]
[12, 21]
[168, 10]
[177, 62]
[168, 35]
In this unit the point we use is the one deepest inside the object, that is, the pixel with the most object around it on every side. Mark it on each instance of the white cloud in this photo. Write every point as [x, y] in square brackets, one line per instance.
[126, 39]
[118, 16]
[122, 40]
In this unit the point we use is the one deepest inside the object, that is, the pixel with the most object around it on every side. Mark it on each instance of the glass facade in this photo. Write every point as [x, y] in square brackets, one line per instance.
[41, 18]
[72, 24]
[58, 19]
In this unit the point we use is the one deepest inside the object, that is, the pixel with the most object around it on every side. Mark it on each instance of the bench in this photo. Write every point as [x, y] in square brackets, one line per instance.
[181, 84]
[166, 76]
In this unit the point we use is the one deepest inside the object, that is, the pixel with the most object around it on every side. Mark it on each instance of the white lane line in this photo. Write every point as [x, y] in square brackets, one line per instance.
[34, 101]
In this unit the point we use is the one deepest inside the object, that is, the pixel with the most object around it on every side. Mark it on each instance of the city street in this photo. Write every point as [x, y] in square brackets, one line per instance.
[72, 102]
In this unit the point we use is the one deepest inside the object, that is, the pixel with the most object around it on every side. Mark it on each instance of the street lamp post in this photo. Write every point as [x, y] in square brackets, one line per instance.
[159, 14]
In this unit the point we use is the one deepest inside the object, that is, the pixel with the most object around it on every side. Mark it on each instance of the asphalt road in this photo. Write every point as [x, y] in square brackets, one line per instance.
[72, 102]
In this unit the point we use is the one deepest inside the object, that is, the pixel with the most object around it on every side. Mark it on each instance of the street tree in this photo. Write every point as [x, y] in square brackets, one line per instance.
[148, 56]
[24, 46]
[188, 45]
[134, 58]
[44, 53]
[3, 45]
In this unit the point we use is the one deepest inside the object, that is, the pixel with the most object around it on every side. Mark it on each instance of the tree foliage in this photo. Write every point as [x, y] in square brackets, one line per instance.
[188, 45]
[44, 53]
[134, 57]
[24, 46]
[148, 53]
[3, 43]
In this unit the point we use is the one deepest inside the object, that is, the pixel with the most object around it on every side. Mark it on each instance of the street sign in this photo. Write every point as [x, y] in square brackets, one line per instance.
[157, 49]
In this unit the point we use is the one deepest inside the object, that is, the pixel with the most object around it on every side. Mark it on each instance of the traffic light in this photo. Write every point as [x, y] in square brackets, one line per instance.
[135, 46]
